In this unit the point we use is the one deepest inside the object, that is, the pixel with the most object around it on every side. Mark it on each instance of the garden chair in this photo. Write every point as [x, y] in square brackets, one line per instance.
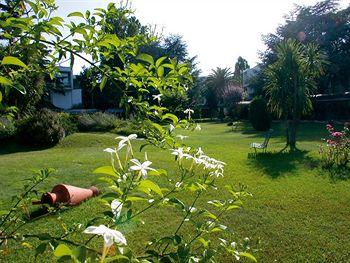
[262, 146]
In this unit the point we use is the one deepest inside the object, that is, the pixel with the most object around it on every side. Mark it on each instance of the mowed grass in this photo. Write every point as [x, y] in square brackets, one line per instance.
[297, 211]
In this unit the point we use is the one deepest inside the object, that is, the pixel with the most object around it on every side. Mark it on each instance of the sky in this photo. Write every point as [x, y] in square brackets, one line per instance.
[216, 31]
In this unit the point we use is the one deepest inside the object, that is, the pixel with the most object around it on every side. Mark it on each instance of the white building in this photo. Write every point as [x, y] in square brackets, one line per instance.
[248, 74]
[72, 93]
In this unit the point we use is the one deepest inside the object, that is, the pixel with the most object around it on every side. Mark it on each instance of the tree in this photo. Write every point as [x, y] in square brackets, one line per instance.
[218, 80]
[240, 66]
[215, 86]
[327, 26]
[290, 82]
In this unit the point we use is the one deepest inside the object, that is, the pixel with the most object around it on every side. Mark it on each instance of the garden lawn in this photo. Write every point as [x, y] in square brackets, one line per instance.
[297, 211]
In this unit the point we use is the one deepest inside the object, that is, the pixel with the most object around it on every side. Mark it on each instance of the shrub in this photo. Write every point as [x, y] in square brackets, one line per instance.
[68, 122]
[126, 127]
[336, 153]
[42, 129]
[231, 96]
[98, 121]
[7, 129]
[258, 114]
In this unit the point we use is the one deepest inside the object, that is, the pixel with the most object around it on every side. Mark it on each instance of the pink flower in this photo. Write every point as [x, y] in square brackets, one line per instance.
[330, 142]
[337, 134]
[329, 127]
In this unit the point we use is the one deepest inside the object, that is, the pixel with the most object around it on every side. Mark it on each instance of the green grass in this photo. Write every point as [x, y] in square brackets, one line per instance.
[297, 211]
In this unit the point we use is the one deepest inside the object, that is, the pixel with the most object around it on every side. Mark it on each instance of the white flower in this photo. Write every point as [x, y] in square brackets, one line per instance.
[109, 150]
[200, 151]
[233, 244]
[189, 112]
[120, 146]
[198, 127]
[178, 184]
[116, 207]
[157, 97]
[181, 137]
[193, 209]
[125, 139]
[171, 128]
[142, 167]
[179, 153]
[223, 241]
[110, 236]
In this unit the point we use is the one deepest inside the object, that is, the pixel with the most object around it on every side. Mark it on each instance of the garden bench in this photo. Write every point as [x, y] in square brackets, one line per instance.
[262, 146]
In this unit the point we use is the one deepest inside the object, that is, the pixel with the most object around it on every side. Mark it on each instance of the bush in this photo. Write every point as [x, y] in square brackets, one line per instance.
[126, 127]
[42, 129]
[336, 153]
[258, 114]
[7, 129]
[98, 121]
[68, 122]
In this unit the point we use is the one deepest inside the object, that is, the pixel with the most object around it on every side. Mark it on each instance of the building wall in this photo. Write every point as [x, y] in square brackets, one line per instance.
[248, 74]
[68, 99]
[72, 95]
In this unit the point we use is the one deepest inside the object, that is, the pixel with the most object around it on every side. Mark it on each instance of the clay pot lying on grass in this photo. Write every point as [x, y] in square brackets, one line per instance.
[68, 194]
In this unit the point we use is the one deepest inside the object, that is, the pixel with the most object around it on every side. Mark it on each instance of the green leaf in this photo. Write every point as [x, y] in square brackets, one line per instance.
[20, 88]
[106, 170]
[146, 58]
[0, 102]
[160, 71]
[171, 117]
[78, 14]
[8, 60]
[3, 212]
[178, 202]
[62, 250]
[79, 253]
[103, 82]
[148, 184]
[248, 255]
[40, 249]
[160, 61]
[5, 81]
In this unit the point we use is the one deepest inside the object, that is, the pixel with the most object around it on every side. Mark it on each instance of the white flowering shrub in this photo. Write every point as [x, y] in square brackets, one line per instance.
[132, 183]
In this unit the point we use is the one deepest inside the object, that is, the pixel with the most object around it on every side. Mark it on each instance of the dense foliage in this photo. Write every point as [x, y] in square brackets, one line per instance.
[41, 129]
[130, 181]
[7, 128]
[259, 115]
[291, 80]
[325, 25]
[98, 121]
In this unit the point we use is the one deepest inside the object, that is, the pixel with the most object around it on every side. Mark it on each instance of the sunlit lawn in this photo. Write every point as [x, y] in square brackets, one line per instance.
[297, 211]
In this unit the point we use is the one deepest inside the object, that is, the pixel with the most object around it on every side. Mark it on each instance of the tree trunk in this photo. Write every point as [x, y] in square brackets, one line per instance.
[292, 135]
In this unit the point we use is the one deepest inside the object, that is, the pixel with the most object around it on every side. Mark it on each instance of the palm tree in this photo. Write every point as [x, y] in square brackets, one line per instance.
[291, 80]
[218, 80]
[215, 87]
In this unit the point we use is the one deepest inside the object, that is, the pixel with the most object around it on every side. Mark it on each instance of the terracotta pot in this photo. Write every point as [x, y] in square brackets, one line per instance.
[68, 194]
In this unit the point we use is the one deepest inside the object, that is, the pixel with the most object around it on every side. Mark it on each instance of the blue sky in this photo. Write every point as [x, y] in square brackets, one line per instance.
[216, 31]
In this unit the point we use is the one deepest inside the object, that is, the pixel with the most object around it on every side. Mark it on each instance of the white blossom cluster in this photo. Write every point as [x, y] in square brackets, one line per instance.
[216, 167]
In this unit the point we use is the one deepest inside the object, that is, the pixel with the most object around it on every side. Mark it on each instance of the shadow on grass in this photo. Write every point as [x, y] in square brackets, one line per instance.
[13, 146]
[276, 164]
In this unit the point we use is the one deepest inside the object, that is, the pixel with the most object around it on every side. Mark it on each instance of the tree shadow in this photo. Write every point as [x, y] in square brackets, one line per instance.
[13, 146]
[277, 164]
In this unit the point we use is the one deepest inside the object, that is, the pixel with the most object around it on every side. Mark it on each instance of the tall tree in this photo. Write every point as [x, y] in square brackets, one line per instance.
[216, 83]
[218, 80]
[291, 79]
[240, 66]
[329, 27]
